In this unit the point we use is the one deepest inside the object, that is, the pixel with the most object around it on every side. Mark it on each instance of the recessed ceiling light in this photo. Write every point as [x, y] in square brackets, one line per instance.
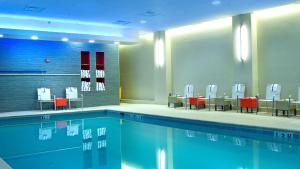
[143, 21]
[122, 22]
[216, 2]
[149, 13]
[116, 43]
[33, 9]
[1, 35]
[65, 39]
[34, 37]
[91, 41]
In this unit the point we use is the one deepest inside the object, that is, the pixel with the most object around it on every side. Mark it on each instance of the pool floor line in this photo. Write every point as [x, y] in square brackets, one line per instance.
[39, 153]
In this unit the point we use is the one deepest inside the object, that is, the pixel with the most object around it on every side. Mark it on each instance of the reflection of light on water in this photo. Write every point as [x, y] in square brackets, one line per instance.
[127, 166]
[161, 159]
[190, 133]
[242, 168]
[72, 130]
[101, 131]
[274, 147]
[87, 134]
[45, 134]
[212, 137]
[87, 146]
[239, 141]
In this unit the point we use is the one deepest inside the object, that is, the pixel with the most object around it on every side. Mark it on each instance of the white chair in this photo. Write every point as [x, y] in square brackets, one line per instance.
[273, 91]
[72, 95]
[211, 91]
[188, 91]
[44, 96]
[238, 91]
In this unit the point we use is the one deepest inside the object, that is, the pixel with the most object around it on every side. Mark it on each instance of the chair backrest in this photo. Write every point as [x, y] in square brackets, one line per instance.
[273, 90]
[238, 90]
[189, 91]
[211, 91]
[71, 93]
[298, 94]
[44, 94]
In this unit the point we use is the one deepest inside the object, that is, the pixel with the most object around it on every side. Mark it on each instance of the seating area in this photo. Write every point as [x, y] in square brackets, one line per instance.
[45, 96]
[238, 101]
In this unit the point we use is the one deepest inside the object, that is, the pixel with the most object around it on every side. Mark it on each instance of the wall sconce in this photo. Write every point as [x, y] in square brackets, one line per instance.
[242, 42]
[159, 53]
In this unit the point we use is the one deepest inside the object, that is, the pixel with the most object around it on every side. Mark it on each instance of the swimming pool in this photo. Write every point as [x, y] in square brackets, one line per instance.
[113, 140]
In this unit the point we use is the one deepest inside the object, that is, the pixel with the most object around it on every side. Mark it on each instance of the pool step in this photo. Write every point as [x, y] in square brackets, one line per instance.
[4, 165]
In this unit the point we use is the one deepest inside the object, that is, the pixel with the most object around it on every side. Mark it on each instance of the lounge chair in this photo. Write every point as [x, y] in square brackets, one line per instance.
[285, 106]
[223, 103]
[188, 91]
[211, 91]
[211, 94]
[72, 96]
[238, 92]
[176, 101]
[44, 96]
[273, 92]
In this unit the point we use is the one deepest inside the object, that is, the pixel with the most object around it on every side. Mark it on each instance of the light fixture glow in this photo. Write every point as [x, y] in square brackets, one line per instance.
[143, 21]
[159, 53]
[116, 43]
[92, 41]
[22, 22]
[1, 35]
[147, 36]
[65, 39]
[216, 2]
[278, 11]
[210, 25]
[34, 37]
[242, 42]
[161, 159]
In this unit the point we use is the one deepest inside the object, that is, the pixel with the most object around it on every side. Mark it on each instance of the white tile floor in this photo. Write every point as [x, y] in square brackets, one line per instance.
[263, 119]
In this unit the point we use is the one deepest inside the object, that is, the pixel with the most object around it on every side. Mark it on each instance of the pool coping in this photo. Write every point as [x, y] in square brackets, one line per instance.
[182, 115]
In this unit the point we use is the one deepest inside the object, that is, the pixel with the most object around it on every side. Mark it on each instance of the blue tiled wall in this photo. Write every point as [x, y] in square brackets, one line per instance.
[19, 92]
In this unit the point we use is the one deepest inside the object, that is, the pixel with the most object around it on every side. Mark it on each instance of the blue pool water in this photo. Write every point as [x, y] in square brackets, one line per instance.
[113, 140]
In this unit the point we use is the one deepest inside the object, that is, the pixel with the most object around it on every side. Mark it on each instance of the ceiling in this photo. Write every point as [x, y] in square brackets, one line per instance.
[124, 18]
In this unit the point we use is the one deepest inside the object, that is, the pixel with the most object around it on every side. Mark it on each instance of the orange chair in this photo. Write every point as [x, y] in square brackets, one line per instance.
[60, 102]
[250, 102]
[196, 101]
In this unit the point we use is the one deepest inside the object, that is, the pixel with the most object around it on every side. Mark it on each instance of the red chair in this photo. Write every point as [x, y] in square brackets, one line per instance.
[250, 102]
[196, 101]
[60, 102]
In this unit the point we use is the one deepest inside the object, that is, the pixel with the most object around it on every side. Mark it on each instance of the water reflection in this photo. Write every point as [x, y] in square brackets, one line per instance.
[190, 149]
[108, 143]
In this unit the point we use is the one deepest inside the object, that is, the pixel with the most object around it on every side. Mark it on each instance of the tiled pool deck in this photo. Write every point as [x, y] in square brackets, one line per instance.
[263, 119]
